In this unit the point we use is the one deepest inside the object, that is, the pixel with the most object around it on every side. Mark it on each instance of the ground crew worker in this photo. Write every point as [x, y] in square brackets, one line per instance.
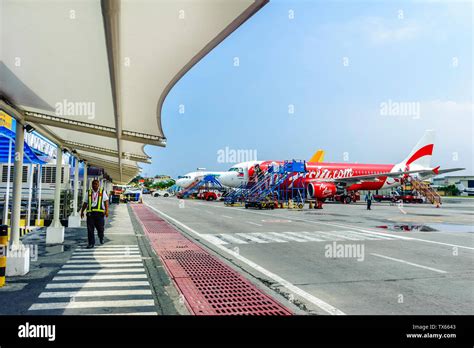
[97, 205]
[368, 197]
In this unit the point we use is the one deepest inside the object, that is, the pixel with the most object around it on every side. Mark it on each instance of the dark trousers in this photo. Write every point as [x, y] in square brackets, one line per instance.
[369, 203]
[95, 220]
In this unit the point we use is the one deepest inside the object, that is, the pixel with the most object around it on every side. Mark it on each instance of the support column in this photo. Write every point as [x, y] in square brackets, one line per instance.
[39, 188]
[18, 257]
[55, 232]
[7, 193]
[84, 183]
[74, 220]
[30, 194]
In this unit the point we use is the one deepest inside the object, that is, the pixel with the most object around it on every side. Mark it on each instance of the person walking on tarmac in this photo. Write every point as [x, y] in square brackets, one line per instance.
[368, 198]
[97, 205]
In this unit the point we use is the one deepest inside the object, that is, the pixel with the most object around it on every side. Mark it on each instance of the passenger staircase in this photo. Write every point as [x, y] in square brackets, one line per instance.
[238, 194]
[270, 185]
[208, 180]
[425, 190]
[246, 190]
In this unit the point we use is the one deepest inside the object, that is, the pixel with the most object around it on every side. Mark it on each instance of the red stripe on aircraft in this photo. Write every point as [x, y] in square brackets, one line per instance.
[424, 151]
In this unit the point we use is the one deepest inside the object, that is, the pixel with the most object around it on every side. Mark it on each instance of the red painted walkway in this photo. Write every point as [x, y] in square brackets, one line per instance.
[209, 286]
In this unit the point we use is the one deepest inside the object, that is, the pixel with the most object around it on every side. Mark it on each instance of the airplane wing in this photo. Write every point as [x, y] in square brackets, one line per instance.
[371, 177]
[438, 171]
[317, 157]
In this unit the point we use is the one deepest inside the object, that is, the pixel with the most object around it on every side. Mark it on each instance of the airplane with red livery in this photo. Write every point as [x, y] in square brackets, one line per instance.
[324, 180]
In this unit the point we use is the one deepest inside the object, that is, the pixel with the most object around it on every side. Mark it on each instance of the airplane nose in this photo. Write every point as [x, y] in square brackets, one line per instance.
[228, 179]
[223, 179]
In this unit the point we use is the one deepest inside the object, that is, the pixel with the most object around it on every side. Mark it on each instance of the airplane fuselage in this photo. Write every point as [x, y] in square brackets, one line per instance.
[326, 171]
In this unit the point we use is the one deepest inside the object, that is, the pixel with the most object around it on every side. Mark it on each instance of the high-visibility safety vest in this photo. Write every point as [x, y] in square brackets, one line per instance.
[98, 207]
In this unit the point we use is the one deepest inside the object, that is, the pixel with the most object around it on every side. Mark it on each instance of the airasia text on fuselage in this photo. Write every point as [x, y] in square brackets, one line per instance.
[324, 173]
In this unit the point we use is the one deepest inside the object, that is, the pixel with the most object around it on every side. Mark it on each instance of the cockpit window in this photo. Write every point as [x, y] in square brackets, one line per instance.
[236, 169]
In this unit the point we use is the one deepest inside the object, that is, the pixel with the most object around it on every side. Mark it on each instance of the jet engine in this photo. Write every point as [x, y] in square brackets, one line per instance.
[321, 190]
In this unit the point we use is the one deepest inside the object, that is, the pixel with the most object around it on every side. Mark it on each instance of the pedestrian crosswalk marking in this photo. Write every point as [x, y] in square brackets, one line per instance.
[117, 261]
[93, 304]
[96, 284]
[95, 271]
[108, 246]
[307, 236]
[230, 239]
[100, 276]
[102, 265]
[121, 252]
[252, 238]
[92, 277]
[129, 313]
[286, 237]
[95, 293]
[92, 257]
[270, 237]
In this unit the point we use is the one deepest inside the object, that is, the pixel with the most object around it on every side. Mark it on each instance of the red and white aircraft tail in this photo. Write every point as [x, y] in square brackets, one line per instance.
[419, 159]
[420, 156]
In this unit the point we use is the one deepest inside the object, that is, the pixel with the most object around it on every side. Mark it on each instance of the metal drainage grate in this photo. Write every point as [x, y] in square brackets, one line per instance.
[209, 286]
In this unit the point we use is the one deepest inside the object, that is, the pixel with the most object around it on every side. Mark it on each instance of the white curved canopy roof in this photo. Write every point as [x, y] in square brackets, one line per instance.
[92, 75]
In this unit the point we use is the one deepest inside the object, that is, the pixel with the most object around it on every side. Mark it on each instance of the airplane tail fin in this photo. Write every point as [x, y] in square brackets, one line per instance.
[422, 152]
[317, 157]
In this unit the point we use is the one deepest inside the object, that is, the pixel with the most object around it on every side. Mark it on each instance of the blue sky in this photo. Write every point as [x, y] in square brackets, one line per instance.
[334, 64]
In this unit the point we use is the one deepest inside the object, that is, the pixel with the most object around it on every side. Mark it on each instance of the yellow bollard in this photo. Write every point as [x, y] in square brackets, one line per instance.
[3, 253]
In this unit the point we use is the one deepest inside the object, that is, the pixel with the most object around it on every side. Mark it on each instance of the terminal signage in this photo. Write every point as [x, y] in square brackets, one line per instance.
[38, 143]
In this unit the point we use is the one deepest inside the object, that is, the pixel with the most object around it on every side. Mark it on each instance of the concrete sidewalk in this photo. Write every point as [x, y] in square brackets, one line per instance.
[70, 279]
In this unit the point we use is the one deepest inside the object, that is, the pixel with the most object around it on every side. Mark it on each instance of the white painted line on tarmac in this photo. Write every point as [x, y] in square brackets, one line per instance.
[112, 246]
[101, 277]
[253, 223]
[105, 253]
[313, 299]
[269, 237]
[369, 236]
[357, 229]
[308, 235]
[126, 313]
[231, 239]
[103, 262]
[95, 293]
[287, 237]
[226, 216]
[108, 270]
[92, 304]
[215, 240]
[106, 257]
[409, 263]
[107, 249]
[253, 238]
[95, 284]
[103, 265]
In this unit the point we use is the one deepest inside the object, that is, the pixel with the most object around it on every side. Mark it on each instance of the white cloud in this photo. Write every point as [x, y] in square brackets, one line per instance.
[382, 31]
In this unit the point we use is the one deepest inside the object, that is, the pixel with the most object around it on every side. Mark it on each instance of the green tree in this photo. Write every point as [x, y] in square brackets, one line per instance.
[450, 190]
